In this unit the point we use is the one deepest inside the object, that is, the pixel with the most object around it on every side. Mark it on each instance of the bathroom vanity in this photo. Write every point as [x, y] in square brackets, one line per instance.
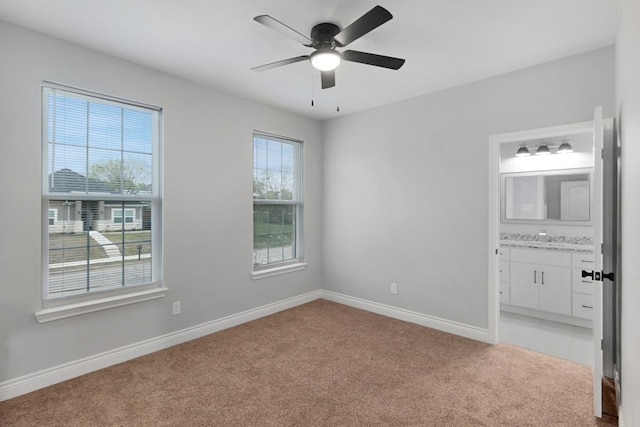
[544, 278]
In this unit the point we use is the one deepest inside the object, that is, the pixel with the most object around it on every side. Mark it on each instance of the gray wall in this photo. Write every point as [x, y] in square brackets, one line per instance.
[406, 185]
[207, 203]
[405, 195]
[628, 111]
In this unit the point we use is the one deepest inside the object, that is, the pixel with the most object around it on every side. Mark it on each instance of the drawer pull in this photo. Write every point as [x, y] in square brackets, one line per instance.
[587, 281]
[586, 306]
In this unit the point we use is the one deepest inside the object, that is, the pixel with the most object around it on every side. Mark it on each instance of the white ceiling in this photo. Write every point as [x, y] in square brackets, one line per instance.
[214, 42]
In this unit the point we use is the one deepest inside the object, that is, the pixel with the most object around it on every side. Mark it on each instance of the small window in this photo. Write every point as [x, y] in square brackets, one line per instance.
[277, 201]
[129, 216]
[101, 174]
[53, 216]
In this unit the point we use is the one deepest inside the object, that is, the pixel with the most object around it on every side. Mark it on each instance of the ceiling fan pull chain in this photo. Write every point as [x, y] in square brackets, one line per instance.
[338, 99]
[312, 91]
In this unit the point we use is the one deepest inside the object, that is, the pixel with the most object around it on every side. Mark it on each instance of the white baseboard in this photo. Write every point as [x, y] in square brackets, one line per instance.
[37, 380]
[467, 331]
[56, 374]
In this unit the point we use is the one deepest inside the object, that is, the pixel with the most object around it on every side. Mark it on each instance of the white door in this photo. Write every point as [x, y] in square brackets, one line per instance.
[598, 138]
[574, 200]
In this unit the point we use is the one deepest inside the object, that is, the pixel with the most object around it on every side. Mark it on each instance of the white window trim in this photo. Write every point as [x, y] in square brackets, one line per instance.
[268, 270]
[74, 305]
[97, 304]
[276, 271]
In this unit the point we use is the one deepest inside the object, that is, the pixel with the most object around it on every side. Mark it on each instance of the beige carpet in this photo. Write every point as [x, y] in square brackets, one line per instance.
[321, 364]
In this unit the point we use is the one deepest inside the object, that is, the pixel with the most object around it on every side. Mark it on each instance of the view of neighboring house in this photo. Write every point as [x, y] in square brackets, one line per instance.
[72, 216]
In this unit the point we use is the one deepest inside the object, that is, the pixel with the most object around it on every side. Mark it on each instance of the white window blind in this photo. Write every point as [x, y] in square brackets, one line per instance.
[101, 193]
[277, 201]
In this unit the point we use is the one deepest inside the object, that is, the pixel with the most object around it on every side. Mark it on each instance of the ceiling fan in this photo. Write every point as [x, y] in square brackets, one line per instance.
[326, 37]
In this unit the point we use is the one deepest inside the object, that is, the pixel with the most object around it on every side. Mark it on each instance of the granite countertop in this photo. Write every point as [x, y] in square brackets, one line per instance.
[554, 243]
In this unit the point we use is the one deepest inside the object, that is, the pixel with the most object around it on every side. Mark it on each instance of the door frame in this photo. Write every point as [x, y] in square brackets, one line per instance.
[601, 125]
[494, 207]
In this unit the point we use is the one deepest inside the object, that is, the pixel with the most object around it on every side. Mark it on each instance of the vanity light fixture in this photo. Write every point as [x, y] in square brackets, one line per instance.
[523, 151]
[543, 149]
[565, 147]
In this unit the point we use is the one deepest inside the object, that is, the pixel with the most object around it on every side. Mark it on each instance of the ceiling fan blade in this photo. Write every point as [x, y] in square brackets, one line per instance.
[328, 79]
[373, 59]
[278, 26]
[276, 64]
[367, 22]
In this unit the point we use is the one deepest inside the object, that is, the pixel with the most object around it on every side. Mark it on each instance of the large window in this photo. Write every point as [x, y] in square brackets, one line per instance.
[277, 201]
[101, 194]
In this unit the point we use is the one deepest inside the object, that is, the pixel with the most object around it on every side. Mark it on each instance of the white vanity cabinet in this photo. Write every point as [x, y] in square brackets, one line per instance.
[541, 280]
[505, 267]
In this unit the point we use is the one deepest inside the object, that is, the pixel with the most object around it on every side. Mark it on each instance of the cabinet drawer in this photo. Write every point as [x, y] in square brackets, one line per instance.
[504, 271]
[582, 261]
[579, 284]
[583, 306]
[541, 256]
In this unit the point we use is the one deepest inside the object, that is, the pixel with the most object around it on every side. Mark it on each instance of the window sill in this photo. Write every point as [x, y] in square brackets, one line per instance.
[76, 309]
[261, 274]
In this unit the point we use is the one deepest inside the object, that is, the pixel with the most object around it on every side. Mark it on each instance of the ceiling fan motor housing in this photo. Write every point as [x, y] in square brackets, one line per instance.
[322, 35]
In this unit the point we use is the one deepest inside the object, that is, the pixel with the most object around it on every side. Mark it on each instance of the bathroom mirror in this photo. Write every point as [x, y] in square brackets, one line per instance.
[555, 196]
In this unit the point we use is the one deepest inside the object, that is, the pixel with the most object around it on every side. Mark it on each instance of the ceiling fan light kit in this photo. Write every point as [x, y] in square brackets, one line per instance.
[326, 37]
[325, 59]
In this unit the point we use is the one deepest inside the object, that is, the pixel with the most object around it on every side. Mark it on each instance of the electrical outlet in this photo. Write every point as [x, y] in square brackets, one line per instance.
[176, 307]
[394, 288]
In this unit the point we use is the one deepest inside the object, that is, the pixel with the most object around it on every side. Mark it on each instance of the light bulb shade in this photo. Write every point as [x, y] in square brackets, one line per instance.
[325, 59]
[565, 147]
[542, 150]
[523, 151]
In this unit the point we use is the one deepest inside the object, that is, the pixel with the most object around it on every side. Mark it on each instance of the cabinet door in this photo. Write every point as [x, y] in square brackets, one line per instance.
[504, 271]
[524, 284]
[555, 289]
[505, 297]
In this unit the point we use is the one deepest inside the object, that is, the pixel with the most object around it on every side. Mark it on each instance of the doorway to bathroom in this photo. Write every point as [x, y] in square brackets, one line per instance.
[546, 234]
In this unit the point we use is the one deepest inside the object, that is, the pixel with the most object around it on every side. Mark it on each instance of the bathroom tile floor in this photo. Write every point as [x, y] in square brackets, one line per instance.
[556, 339]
